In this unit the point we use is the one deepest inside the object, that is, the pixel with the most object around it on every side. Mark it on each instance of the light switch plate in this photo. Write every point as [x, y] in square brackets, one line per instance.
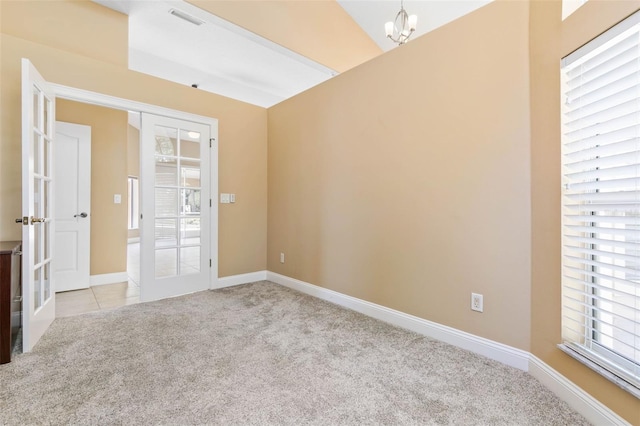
[225, 198]
[117, 198]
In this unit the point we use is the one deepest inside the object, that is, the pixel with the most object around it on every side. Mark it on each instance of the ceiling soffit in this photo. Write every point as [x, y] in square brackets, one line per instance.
[320, 30]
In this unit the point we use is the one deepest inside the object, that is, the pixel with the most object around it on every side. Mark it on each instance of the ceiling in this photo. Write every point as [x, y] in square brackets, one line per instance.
[371, 15]
[263, 52]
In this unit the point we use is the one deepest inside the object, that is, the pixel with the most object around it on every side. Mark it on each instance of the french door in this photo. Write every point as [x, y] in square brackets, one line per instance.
[38, 119]
[176, 207]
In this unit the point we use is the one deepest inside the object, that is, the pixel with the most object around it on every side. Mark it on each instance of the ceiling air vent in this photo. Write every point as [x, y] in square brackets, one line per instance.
[183, 15]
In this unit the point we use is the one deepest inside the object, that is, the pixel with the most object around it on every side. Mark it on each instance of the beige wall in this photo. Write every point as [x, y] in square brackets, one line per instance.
[108, 177]
[72, 57]
[411, 189]
[551, 39]
[405, 181]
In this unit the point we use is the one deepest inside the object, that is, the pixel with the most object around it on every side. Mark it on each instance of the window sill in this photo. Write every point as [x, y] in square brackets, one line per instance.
[600, 369]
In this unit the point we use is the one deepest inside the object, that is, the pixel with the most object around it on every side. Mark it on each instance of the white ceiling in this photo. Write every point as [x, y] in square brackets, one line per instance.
[223, 58]
[218, 56]
[371, 15]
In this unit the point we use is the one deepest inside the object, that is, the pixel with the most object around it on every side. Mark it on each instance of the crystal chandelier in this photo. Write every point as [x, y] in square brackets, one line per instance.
[401, 29]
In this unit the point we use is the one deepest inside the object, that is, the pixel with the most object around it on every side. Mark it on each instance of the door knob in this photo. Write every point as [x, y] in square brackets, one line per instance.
[37, 219]
[83, 214]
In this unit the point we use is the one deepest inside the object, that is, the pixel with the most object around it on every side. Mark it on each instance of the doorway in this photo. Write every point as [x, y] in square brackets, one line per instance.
[133, 197]
[38, 134]
[190, 245]
[106, 283]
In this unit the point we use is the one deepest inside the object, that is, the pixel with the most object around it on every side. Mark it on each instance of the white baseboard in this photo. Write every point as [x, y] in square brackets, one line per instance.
[102, 279]
[505, 354]
[232, 280]
[592, 409]
[133, 240]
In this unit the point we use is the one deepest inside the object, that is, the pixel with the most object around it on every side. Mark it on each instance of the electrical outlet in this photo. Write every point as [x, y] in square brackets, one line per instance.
[476, 302]
[281, 257]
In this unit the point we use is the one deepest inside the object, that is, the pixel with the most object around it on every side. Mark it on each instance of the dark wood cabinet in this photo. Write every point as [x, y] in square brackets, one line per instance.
[10, 297]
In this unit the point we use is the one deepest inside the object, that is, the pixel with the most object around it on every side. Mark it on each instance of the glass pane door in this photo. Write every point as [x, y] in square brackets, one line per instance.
[175, 198]
[38, 118]
[42, 182]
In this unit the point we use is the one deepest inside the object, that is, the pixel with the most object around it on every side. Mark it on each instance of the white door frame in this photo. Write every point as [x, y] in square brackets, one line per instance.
[86, 96]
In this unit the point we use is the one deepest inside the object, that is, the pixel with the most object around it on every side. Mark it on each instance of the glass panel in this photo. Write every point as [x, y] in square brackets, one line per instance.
[47, 240]
[166, 141]
[189, 144]
[165, 232]
[36, 289]
[190, 231]
[36, 153]
[166, 202]
[166, 171]
[47, 282]
[190, 201]
[36, 107]
[46, 209]
[190, 173]
[47, 108]
[189, 260]
[47, 158]
[37, 197]
[166, 262]
[37, 241]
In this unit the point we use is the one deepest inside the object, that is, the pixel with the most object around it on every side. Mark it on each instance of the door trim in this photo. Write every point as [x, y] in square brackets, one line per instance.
[86, 96]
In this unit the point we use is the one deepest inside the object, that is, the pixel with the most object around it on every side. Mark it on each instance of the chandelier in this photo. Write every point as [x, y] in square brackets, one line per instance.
[401, 29]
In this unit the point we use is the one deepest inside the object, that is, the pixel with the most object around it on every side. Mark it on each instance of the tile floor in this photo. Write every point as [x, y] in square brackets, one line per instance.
[96, 298]
[104, 296]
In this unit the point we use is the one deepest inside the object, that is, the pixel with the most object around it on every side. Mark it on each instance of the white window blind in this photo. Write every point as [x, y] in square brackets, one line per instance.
[601, 204]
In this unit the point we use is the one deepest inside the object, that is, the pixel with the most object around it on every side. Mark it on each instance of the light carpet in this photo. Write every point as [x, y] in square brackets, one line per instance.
[260, 354]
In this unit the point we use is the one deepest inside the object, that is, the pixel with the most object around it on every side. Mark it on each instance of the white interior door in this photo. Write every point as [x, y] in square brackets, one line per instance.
[38, 116]
[176, 207]
[72, 172]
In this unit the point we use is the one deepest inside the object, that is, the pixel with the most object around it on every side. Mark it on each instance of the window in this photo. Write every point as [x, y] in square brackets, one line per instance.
[134, 214]
[601, 204]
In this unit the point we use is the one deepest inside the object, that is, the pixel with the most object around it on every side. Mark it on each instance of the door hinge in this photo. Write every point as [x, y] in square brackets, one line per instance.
[211, 142]
[209, 263]
[140, 216]
[210, 203]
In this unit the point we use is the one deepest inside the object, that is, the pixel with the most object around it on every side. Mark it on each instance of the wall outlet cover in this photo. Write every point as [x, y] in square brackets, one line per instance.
[477, 303]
